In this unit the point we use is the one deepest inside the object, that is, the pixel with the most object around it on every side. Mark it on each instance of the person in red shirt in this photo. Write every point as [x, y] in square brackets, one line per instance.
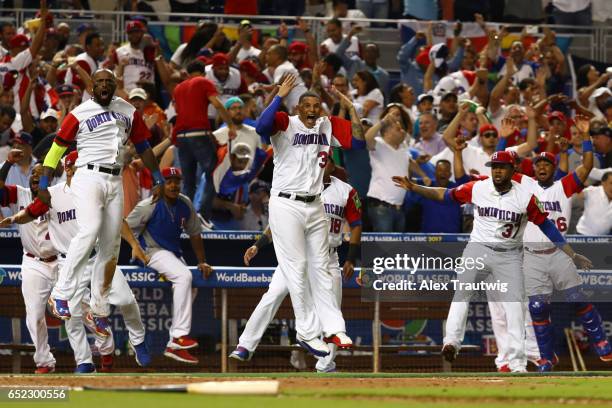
[192, 132]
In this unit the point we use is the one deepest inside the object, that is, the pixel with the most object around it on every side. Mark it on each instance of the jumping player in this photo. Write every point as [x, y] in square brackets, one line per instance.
[302, 146]
[62, 227]
[502, 208]
[102, 127]
[342, 206]
[546, 268]
[158, 223]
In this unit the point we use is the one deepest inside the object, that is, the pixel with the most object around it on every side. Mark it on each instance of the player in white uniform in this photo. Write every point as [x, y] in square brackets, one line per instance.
[301, 148]
[137, 68]
[62, 228]
[102, 127]
[342, 206]
[278, 68]
[502, 209]
[227, 80]
[547, 269]
[39, 264]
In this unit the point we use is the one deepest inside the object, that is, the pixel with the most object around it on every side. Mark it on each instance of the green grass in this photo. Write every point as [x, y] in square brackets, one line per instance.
[592, 389]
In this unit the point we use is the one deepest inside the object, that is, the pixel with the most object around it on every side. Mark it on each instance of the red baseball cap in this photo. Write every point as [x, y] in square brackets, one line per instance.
[220, 59]
[488, 128]
[502, 157]
[557, 115]
[548, 156]
[298, 47]
[422, 58]
[515, 156]
[249, 67]
[19, 40]
[134, 25]
[204, 60]
[168, 172]
[71, 158]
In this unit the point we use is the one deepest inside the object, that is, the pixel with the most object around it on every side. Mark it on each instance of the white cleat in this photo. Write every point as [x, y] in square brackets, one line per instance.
[340, 339]
[316, 347]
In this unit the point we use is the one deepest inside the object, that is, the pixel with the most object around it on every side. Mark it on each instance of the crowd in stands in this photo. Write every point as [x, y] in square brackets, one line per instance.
[201, 104]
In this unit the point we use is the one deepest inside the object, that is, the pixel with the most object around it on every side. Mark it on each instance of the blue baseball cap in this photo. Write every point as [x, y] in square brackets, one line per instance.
[24, 138]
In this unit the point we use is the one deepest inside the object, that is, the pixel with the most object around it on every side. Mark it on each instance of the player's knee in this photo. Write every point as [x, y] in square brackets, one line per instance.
[574, 295]
[539, 307]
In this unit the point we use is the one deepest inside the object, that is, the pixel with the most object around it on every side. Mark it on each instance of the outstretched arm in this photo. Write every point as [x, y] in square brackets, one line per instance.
[432, 193]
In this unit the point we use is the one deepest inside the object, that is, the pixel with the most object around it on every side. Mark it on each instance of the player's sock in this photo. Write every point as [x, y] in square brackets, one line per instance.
[593, 325]
[539, 308]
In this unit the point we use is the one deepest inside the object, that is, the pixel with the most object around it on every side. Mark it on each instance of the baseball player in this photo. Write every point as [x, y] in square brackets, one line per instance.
[546, 268]
[158, 223]
[39, 264]
[138, 68]
[62, 227]
[297, 218]
[342, 206]
[502, 208]
[102, 127]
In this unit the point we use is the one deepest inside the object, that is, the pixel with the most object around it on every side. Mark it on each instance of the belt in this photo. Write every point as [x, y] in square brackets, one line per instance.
[49, 259]
[194, 133]
[376, 202]
[115, 171]
[498, 249]
[303, 198]
[542, 251]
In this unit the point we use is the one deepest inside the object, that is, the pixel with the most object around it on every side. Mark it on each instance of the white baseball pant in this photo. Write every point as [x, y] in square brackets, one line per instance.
[37, 281]
[175, 270]
[300, 236]
[98, 200]
[503, 266]
[120, 295]
[500, 330]
[270, 302]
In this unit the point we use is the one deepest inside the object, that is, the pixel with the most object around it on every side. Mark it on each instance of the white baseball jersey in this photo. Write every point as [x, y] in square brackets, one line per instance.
[499, 219]
[351, 51]
[230, 87]
[88, 64]
[597, 216]
[34, 235]
[556, 200]
[137, 68]
[275, 76]
[102, 132]
[300, 153]
[341, 204]
[12, 71]
[62, 216]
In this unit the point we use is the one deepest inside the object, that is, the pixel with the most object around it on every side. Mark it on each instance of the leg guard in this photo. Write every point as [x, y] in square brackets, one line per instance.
[593, 327]
[539, 308]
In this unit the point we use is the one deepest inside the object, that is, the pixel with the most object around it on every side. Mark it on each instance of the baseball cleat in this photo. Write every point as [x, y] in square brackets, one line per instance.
[328, 370]
[180, 355]
[545, 366]
[183, 343]
[59, 308]
[449, 352]
[44, 370]
[85, 368]
[519, 370]
[504, 369]
[241, 354]
[316, 347]
[604, 350]
[106, 363]
[340, 339]
[100, 323]
[141, 354]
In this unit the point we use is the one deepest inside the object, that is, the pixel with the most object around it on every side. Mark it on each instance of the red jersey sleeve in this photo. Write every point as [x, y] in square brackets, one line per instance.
[535, 211]
[37, 208]
[281, 122]
[68, 131]
[83, 65]
[571, 184]
[139, 132]
[463, 193]
[342, 131]
[8, 195]
[353, 209]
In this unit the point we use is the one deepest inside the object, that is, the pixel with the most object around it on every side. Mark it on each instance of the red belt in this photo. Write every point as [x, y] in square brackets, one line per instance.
[543, 251]
[49, 259]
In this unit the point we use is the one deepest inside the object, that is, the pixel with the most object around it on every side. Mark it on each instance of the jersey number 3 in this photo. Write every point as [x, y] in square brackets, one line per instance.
[509, 229]
[323, 158]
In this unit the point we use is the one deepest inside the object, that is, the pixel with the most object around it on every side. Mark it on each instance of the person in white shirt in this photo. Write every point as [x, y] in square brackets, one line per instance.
[597, 216]
[244, 133]
[333, 28]
[88, 60]
[227, 80]
[7, 32]
[367, 96]
[243, 48]
[256, 215]
[138, 67]
[278, 67]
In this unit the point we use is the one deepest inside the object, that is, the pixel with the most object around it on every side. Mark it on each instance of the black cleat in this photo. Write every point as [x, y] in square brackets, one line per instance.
[449, 352]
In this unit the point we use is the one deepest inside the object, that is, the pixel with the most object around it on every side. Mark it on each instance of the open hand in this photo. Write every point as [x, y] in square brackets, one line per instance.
[403, 182]
[582, 124]
[582, 262]
[14, 155]
[4, 223]
[289, 82]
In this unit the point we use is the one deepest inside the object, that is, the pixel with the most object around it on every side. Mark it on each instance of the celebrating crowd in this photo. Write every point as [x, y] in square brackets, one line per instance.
[202, 103]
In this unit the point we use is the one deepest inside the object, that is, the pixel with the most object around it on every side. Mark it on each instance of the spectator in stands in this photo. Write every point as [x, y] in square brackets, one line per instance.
[447, 110]
[83, 30]
[602, 142]
[333, 29]
[598, 101]
[431, 142]
[367, 95]
[244, 133]
[244, 48]
[7, 32]
[250, 109]
[256, 213]
[227, 80]
[63, 32]
[151, 108]
[187, 52]
[588, 79]
[340, 9]
[88, 61]
[524, 68]
[20, 173]
[278, 67]
[369, 62]
[572, 12]
[7, 117]
[192, 131]
[597, 216]
[68, 99]
[139, 55]
[403, 94]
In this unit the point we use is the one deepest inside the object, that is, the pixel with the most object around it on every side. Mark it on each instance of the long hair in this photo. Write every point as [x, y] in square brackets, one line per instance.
[581, 76]
[369, 79]
[203, 34]
[405, 120]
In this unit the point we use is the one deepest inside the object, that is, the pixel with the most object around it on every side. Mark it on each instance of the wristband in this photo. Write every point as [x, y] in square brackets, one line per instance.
[157, 177]
[587, 146]
[43, 184]
[354, 253]
[262, 241]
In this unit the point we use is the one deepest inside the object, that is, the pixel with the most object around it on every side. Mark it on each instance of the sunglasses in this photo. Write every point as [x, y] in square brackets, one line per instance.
[487, 135]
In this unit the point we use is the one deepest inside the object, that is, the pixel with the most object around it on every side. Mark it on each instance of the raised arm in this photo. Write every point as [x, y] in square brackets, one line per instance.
[39, 37]
[265, 122]
[450, 133]
[347, 104]
[582, 171]
[432, 193]
[531, 143]
[26, 117]
[501, 86]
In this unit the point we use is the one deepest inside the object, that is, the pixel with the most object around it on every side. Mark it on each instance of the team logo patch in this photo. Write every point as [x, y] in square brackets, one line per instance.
[539, 204]
[357, 202]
